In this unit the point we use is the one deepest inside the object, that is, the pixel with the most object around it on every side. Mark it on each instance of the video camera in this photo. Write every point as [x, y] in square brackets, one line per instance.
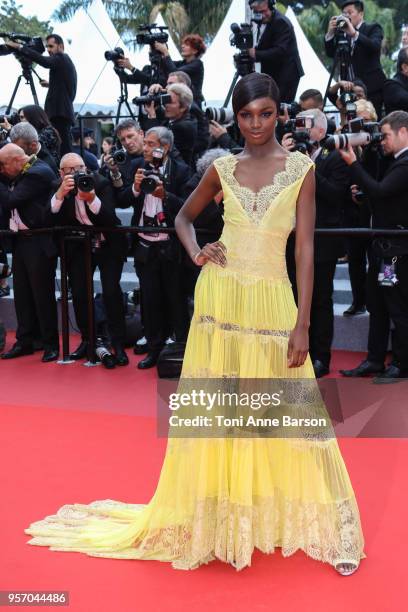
[32, 42]
[153, 175]
[152, 33]
[159, 99]
[243, 39]
[300, 128]
[360, 133]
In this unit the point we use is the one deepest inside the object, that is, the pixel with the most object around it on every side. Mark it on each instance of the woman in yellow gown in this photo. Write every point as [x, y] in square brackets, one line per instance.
[220, 497]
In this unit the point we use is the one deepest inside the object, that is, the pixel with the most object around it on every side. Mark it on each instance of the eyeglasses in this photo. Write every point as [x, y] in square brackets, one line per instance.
[72, 169]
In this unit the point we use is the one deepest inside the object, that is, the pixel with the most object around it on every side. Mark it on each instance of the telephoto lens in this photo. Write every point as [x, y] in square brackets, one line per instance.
[104, 355]
[84, 182]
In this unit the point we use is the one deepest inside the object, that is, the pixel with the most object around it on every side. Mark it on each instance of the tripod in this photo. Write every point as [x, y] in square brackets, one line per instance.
[244, 65]
[26, 74]
[123, 98]
[342, 61]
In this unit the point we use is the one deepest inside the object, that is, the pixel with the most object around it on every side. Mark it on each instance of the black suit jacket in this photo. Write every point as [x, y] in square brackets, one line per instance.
[332, 190]
[366, 57]
[278, 53]
[105, 218]
[194, 69]
[31, 198]
[388, 198]
[184, 132]
[63, 83]
[176, 176]
[396, 93]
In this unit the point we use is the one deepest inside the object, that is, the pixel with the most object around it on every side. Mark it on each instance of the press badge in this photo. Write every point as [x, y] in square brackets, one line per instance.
[387, 276]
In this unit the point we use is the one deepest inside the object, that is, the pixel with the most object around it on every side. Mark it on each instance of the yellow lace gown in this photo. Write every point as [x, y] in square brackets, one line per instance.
[219, 497]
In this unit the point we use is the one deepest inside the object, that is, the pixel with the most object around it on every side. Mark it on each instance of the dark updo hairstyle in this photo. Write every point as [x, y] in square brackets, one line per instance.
[252, 87]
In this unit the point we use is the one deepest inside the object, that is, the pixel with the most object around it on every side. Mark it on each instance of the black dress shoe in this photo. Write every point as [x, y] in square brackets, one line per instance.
[364, 369]
[140, 349]
[120, 356]
[391, 375]
[80, 352]
[149, 361]
[354, 310]
[50, 355]
[320, 369]
[18, 350]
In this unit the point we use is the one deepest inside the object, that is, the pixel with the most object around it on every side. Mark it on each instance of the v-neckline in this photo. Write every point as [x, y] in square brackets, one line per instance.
[268, 186]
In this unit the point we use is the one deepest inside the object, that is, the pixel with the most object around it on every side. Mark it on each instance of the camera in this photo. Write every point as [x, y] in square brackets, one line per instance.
[348, 100]
[243, 39]
[341, 23]
[293, 109]
[118, 155]
[223, 116]
[12, 119]
[115, 55]
[151, 33]
[158, 99]
[361, 139]
[153, 175]
[300, 128]
[83, 182]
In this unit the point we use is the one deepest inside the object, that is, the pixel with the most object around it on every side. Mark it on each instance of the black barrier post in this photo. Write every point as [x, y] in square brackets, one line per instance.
[90, 299]
[64, 303]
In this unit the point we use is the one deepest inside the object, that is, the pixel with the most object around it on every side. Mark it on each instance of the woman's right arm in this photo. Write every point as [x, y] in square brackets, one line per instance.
[207, 189]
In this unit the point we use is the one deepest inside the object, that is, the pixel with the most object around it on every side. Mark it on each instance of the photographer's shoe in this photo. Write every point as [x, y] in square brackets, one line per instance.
[354, 310]
[50, 355]
[120, 356]
[80, 352]
[320, 369]
[391, 375]
[141, 347]
[364, 369]
[18, 350]
[149, 361]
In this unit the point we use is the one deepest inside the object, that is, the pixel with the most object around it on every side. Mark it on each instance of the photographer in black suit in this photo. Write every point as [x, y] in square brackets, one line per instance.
[27, 198]
[24, 135]
[96, 207]
[366, 40]
[332, 185]
[158, 255]
[129, 136]
[396, 89]
[276, 48]
[387, 282]
[61, 86]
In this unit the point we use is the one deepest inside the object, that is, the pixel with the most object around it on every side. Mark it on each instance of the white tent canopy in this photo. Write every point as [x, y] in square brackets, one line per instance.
[218, 61]
[316, 75]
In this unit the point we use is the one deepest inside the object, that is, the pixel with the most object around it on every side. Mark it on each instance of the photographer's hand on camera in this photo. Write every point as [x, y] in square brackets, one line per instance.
[161, 48]
[159, 192]
[5, 125]
[139, 176]
[125, 63]
[216, 130]
[332, 26]
[348, 155]
[150, 110]
[67, 185]
[288, 142]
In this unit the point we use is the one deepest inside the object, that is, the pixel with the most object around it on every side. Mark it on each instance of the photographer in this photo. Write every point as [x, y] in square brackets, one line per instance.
[276, 48]
[24, 135]
[203, 134]
[93, 206]
[157, 256]
[396, 89]
[62, 85]
[332, 184]
[366, 41]
[387, 281]
[344, 95]
[26, 199]
[121, 173]
[178, 120]
[192, 50]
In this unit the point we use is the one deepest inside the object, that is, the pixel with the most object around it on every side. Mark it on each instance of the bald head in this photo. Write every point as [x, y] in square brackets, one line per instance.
[70, 163]
[12, 160]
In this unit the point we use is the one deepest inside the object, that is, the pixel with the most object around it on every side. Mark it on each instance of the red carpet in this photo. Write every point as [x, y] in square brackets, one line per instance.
[71, 434]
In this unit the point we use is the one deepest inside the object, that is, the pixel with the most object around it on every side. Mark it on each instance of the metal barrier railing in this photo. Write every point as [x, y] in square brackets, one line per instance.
[64, 234]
